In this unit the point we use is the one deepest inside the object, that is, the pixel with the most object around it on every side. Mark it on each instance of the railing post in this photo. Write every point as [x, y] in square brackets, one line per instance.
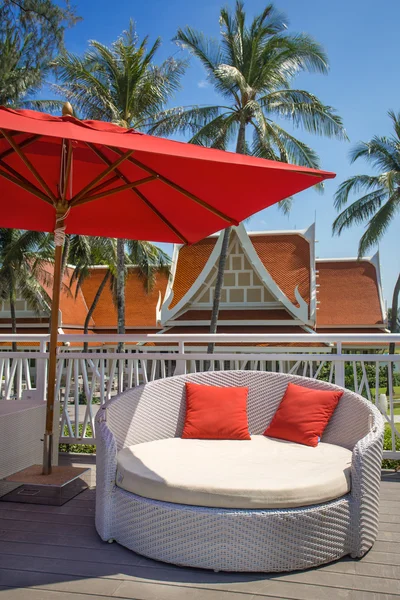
[41, 373]
[180, 368]
[339, 365]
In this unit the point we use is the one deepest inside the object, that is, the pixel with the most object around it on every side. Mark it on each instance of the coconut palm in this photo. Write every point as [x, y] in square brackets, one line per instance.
[23, 259]
[121, 84]
[85, 252]
[380, 200]
[253, 68]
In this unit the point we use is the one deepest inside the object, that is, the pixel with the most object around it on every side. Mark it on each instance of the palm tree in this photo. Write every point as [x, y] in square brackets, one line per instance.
[85, 252]
[121, 84]
[380, 200]
[253, 68]
[23, 257]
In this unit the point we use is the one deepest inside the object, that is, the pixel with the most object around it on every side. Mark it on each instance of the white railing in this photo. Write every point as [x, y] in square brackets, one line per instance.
[87, 380]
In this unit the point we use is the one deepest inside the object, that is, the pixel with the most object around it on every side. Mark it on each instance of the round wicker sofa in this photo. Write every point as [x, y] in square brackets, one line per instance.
[232, 539]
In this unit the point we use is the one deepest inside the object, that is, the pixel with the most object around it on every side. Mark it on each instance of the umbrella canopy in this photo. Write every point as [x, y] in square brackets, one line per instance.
[95, 178]
[122, 183]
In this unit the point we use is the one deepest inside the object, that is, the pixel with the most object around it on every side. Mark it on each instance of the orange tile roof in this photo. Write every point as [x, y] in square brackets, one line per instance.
[73, 309]
[287, 259]
[348, 294]
[191, 262]
[140, 309]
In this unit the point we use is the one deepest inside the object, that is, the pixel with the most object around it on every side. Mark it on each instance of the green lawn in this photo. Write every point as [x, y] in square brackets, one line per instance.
[382, 390]
[396, 396]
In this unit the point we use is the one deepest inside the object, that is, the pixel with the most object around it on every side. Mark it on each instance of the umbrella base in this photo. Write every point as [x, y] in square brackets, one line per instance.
[30, 486]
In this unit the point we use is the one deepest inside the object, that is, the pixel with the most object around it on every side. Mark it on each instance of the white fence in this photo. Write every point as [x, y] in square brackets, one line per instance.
[87, 380]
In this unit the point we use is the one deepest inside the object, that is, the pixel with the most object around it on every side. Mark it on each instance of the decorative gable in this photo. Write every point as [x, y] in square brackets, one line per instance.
[248, 282]
[242, 286]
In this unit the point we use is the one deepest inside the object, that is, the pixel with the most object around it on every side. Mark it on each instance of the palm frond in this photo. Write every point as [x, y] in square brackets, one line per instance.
[379, 224]
[353, 185]
[305, 110]
[381, 152]
[207, 50]
[359, 211]
[184, 119]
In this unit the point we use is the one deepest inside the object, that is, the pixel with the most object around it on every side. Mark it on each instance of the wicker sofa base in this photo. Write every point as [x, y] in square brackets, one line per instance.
[232, 540]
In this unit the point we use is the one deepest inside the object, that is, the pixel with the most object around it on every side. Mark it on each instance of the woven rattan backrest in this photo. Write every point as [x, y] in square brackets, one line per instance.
[156, 410]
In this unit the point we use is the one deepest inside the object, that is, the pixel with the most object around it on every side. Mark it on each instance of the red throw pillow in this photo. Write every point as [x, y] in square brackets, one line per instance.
[216, 413]
[303, 414]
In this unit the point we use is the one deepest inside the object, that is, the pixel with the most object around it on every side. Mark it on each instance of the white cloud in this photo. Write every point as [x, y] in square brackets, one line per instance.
[203, 83]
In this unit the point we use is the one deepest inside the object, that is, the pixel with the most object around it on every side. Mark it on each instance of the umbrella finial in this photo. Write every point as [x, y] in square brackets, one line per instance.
[67, 110]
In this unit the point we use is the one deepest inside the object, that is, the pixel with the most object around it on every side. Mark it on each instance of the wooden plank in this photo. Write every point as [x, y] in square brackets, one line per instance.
[43, 594]
[66, 509]
[383, 519]
[43, 517]
[381, 558]
[108, 553]
[82, 540]
[390, 526]
[387, 547]
[154, 591]
[37, 526]
[325, 578]
[388, 536]
[355, 567]
[55, 582]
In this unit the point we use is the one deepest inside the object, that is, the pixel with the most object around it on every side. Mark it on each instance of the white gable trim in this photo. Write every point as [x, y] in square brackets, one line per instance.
[166, 313]
[309, 235]
[300, 312]
[375, 260]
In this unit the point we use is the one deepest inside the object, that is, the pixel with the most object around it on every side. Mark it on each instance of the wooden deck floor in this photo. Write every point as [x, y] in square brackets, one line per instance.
[51, 553]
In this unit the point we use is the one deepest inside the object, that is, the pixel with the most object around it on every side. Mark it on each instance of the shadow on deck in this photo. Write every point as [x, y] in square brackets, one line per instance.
[54, 553]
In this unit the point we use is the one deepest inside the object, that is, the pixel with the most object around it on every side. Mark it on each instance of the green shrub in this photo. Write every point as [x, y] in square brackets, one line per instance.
[387, 445]
[78, 448]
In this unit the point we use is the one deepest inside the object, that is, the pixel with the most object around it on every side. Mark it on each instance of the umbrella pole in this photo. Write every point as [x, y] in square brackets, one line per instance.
[51, 380]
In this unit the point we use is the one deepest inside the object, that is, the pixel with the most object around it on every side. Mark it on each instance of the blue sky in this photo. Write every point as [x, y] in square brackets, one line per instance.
[362, 42]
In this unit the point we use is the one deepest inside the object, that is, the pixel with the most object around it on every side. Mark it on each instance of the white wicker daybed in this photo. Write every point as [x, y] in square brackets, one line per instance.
[285, 507]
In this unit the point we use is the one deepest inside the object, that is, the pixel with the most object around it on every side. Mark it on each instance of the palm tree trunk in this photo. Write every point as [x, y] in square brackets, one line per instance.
[218, 286]
[14, 347]
[65, 253]
[241, 140]
[121, 290]
[240, 149]
[93, 306]
[393, 324]
[13, 321]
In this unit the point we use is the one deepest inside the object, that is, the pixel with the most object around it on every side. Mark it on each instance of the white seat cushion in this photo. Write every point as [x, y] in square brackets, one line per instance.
[261, 473]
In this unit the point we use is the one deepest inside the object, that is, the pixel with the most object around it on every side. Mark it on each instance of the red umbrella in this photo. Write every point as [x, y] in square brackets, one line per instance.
[96, 178]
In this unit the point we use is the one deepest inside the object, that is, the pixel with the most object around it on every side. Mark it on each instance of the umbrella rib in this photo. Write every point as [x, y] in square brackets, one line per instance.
[98, 178]
[124, 178]
[67, 170]
[23, 144]
[180, 189]
[24, 184]
[103, 185]
[29, 165]
[113, 191]
[160, 215]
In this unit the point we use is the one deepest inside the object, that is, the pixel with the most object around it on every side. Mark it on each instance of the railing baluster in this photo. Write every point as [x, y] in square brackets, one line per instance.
[65, 419]
[102, 380]
[27, 374]
[390, 386]
[2, 361]
[111, 377]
